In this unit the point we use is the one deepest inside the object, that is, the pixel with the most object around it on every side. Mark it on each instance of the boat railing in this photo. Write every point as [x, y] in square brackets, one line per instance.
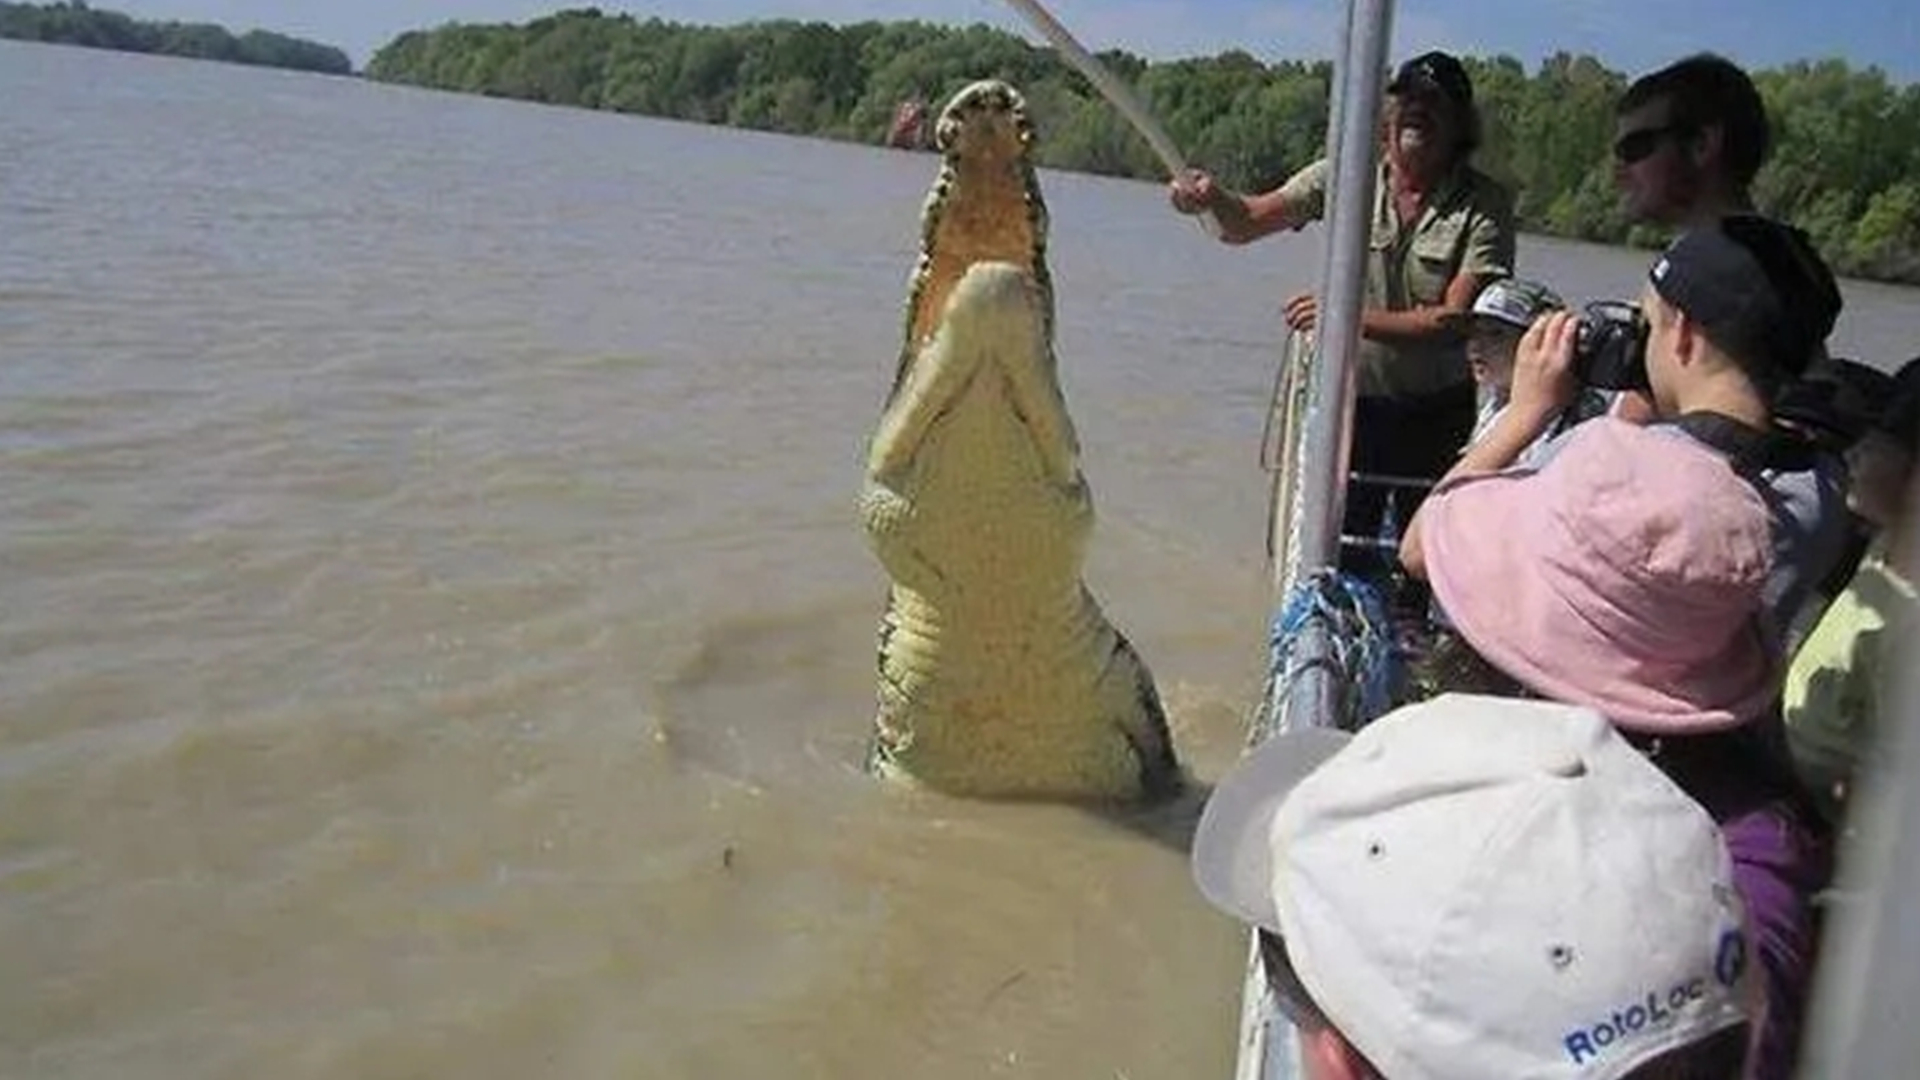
[1307, 448]
[1871, 971]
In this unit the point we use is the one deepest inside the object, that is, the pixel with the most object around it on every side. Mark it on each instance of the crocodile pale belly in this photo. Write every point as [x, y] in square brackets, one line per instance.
[1000, 676]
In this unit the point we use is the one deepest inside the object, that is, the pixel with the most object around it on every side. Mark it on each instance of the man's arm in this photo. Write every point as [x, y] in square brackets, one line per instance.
[1443, 321]
[1431, 321]
[1246, 218]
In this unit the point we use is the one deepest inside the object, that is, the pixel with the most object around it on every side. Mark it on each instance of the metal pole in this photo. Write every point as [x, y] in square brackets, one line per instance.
[1285, 417]
[1319, 491]
[1308, 516]
[1336, 119]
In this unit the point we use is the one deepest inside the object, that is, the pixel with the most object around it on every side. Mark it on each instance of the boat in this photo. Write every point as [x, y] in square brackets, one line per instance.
[912, 126]
[1857, 1027]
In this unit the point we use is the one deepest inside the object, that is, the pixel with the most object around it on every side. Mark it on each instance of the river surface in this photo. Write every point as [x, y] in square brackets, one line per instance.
[435, 635]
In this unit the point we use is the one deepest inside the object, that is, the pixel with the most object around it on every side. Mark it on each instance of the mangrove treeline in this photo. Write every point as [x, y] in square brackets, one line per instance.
[77, 24]
[1846, 165]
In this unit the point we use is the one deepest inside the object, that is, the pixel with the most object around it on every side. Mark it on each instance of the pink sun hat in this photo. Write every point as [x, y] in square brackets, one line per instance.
[1624, 576]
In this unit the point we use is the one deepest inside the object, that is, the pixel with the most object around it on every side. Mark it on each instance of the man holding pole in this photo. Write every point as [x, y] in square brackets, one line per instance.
[1441, 231]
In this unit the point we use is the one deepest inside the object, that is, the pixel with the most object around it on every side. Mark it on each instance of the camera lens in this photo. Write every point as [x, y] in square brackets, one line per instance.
[1610, 346]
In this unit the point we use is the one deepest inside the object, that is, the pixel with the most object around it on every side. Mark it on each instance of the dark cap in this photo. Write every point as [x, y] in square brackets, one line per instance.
[1837, 400]
[1434, 72]
[1900, 420]
[1756, 286]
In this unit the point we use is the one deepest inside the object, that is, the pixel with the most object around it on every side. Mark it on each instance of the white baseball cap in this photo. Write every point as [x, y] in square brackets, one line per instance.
[1478, 887]
[1516, 302]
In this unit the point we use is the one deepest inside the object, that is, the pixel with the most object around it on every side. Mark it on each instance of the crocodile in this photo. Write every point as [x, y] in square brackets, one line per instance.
[999, 674]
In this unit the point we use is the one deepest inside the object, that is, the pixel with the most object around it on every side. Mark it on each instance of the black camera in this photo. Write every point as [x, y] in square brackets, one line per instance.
[1610, 346]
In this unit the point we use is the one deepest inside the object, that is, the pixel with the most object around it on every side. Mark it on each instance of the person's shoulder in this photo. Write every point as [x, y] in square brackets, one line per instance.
[1656, 446]
[1484, 180]
[1814, 490]
[1488, 190]
[1666, 428]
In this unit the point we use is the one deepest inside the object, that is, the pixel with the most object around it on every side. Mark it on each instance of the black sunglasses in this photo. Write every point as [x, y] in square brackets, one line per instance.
[1636, 145]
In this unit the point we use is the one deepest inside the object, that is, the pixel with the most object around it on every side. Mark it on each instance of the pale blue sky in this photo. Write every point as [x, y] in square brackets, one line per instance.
[1629, 35]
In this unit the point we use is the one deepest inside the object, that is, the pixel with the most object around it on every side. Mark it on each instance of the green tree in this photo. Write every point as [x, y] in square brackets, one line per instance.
[1886, 240]
[75, 23]
[1847, 141]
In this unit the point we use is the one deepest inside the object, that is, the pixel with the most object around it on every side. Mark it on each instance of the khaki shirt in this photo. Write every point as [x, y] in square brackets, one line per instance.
[1831, 699]
[1466, 227]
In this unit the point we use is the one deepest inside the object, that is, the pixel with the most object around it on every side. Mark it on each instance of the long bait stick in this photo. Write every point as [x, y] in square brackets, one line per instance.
[1117, 93]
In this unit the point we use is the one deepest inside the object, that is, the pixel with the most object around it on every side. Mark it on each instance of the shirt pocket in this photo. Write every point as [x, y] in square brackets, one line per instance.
[1433, 259]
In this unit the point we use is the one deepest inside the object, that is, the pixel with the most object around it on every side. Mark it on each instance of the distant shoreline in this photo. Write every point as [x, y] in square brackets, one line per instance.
[95, 28]
[1846, 167]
